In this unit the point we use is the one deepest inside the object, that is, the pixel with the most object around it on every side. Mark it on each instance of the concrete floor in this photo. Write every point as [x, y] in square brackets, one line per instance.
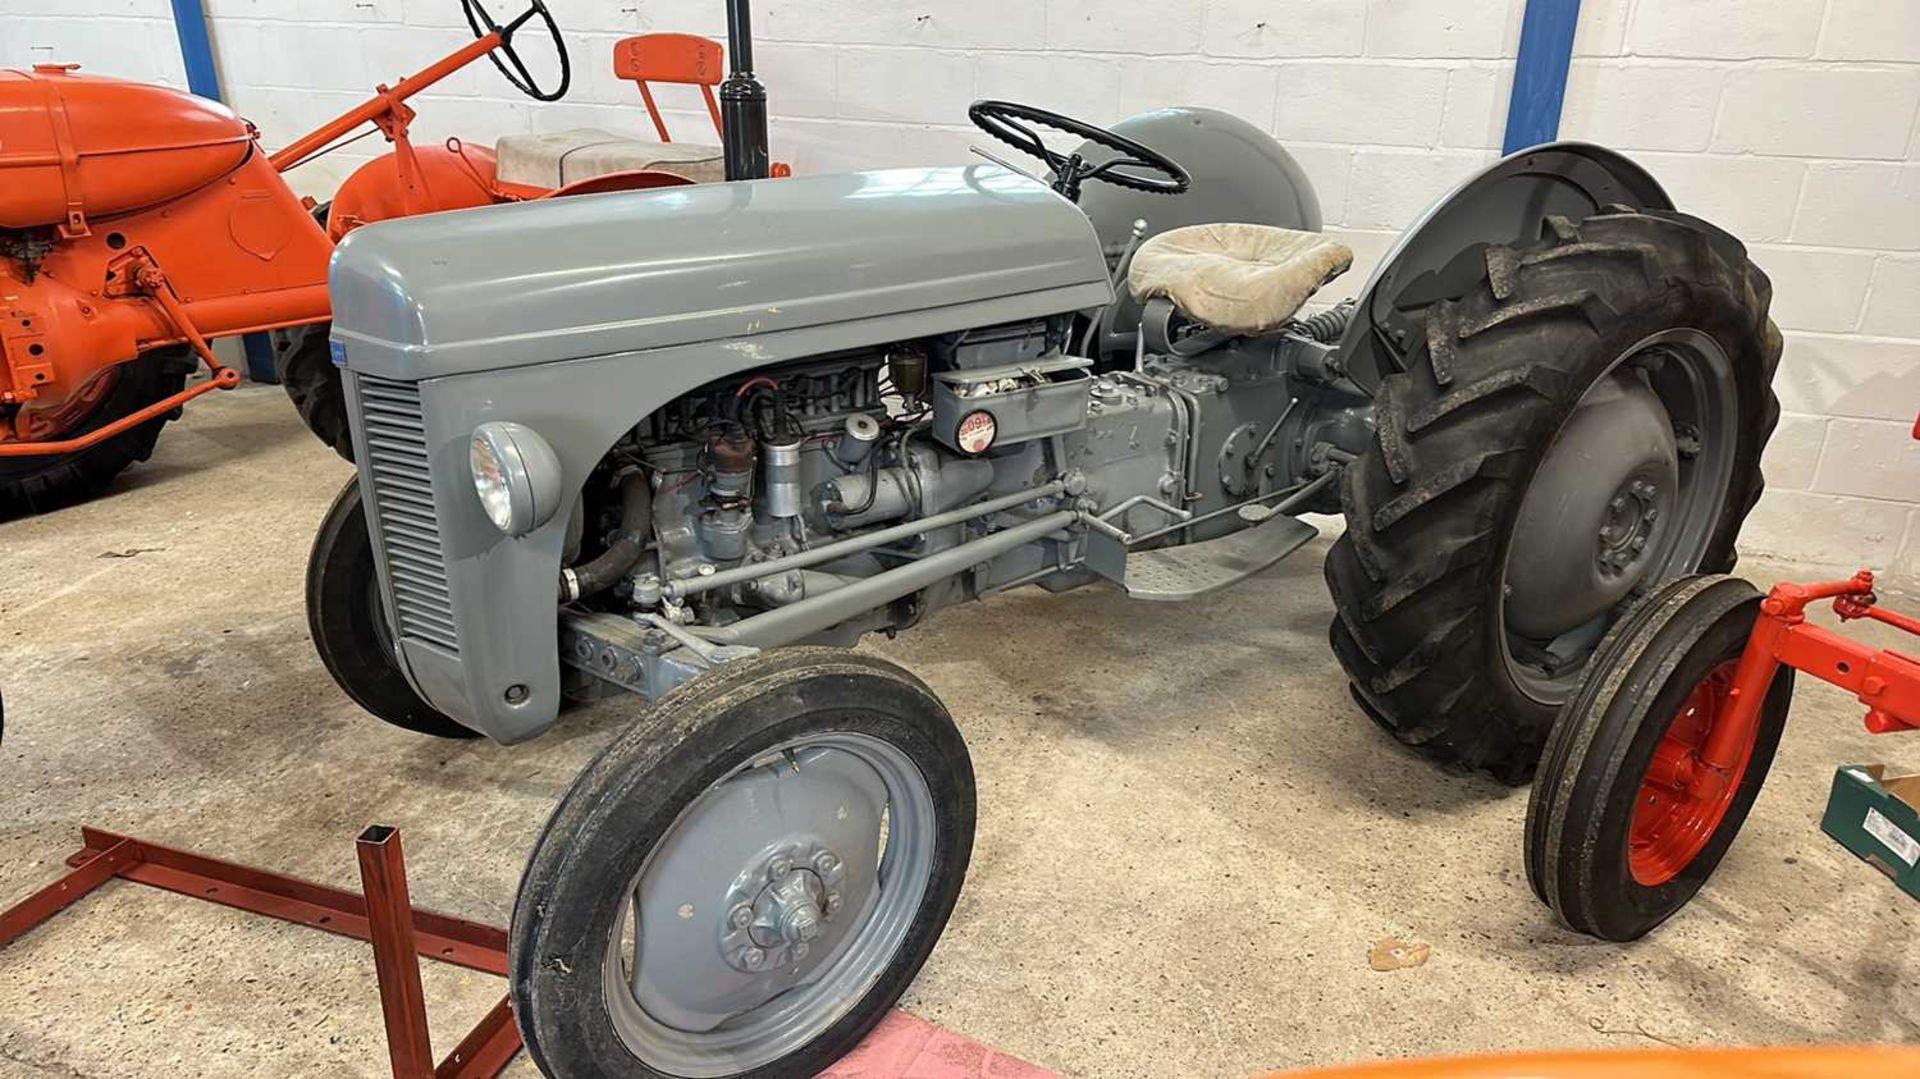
[1186, 847]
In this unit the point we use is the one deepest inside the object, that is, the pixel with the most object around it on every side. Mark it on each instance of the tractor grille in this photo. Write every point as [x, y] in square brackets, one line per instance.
[403, 510]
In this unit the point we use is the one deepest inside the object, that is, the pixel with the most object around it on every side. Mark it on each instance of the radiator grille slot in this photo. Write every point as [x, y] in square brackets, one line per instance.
[403, 510]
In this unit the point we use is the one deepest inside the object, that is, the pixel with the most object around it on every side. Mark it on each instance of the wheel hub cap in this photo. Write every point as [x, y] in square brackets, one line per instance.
[775, 901]
[1632, 515]
[745, 902]
[1681, 801]
[1595, 511]
[779, 906]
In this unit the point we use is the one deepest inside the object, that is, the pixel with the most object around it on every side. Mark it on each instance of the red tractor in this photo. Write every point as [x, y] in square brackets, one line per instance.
[138, 222]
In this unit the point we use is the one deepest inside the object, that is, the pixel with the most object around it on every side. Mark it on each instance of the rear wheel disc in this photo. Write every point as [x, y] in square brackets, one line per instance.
[1629, 494]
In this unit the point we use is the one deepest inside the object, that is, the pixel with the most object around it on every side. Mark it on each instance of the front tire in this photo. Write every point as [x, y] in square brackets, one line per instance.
[1614, 844]
[1641, 337]
[349, 625]
[31, 485]
[746, 880]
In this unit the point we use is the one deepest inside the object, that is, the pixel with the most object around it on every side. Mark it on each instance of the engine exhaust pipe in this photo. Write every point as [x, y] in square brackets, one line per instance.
[743, 102]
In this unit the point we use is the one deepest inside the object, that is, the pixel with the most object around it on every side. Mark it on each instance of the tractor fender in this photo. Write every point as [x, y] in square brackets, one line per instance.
[632, 180]
[1240, 173]
[1440, 256]
[452, 176]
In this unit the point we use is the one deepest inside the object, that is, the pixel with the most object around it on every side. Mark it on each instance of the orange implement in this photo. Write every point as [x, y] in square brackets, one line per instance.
[135, 217]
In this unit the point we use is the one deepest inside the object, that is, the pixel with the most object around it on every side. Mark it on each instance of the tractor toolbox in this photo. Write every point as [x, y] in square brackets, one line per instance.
[82, 146]
[1878, 818]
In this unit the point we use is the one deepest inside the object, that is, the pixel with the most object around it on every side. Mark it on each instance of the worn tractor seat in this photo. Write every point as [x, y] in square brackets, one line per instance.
[559, 158]
[1239, 279]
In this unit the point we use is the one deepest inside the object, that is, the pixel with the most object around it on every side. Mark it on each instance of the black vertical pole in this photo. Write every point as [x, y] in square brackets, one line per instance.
[743, 101]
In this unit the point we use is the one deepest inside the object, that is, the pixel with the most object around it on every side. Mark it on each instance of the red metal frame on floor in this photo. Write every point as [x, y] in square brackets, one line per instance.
[383, 916]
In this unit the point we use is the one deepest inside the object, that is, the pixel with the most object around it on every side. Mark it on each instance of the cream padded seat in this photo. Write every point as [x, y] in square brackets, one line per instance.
[1239, 279]
[559, 158]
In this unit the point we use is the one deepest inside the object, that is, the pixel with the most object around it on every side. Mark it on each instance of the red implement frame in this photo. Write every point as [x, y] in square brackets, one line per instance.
[383, 916]
[1886, 681]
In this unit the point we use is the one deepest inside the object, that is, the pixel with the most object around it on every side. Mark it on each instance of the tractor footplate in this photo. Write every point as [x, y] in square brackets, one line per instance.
[1192, 570]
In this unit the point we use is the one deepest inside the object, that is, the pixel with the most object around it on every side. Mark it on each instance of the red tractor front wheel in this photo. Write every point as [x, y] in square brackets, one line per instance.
[1626, 823]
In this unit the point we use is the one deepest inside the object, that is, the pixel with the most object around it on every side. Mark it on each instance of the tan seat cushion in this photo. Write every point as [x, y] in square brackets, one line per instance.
[559, 158]
[1241, 279]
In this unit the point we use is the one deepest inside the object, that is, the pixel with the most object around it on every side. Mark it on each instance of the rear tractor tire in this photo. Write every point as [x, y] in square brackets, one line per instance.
[31, 485]
[1584, 423]
[303, 363]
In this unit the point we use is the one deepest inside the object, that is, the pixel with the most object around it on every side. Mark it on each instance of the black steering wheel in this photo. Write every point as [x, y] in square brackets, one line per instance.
[483, 24]
[1007, 121]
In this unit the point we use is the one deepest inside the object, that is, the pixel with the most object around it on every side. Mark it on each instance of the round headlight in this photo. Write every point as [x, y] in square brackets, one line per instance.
[516, 474]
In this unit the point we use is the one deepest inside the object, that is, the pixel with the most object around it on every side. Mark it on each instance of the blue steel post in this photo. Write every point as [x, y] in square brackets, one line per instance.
[1540, 73]
[196, 50]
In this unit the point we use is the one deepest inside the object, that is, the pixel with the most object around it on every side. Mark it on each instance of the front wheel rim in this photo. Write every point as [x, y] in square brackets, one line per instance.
[1680, 804]
[774, 902]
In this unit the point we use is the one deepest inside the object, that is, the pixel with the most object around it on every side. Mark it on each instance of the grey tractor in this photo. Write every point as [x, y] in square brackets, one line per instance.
[690, 445]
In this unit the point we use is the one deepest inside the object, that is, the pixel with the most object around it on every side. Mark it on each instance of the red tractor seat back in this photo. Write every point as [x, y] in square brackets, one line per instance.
[684, 59]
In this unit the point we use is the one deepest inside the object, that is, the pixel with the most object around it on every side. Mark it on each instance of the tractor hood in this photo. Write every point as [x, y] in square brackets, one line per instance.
[592, 275]
[79, 146]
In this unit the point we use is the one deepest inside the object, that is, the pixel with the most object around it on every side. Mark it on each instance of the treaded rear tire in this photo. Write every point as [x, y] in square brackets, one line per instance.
[31, 485]
[1431, 507]
[304, 365]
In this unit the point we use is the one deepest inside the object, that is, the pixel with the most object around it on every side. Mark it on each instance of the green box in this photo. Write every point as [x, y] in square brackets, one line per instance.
[1878, 818]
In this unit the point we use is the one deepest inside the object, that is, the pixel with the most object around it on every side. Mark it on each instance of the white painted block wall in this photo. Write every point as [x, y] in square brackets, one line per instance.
[1793, 123]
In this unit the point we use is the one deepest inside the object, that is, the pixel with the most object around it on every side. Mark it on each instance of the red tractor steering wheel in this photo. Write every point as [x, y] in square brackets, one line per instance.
[482, 23]
[1007, 121]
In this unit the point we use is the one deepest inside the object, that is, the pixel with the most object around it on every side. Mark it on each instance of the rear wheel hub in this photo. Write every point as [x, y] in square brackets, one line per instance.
[1592, 510]
[1628, 495]
[1632, 515]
